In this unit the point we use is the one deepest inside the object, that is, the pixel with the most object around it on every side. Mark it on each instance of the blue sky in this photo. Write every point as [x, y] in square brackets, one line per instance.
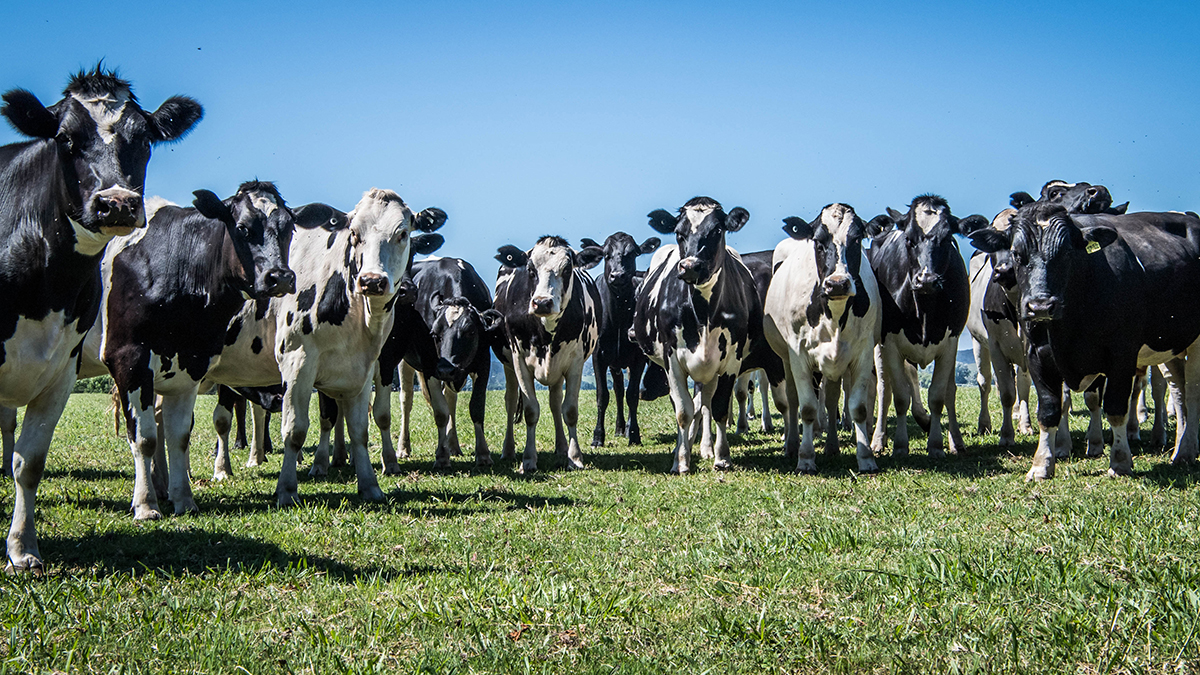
[564, 118]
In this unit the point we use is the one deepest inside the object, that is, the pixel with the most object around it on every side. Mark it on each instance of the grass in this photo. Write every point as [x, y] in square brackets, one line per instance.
[949, 566]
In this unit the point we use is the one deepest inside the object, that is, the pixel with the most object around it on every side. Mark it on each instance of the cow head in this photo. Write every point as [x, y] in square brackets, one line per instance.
[699, 228]
[381, 226]
[459, 332]
[928, 231]
[550, 266]
[260, 228]
[836, 237]
[1046, 246]
[103, 140]
[621, 252]
[1076, 197]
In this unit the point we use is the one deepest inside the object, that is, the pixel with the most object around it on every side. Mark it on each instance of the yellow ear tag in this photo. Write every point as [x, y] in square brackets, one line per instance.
[1093, 246]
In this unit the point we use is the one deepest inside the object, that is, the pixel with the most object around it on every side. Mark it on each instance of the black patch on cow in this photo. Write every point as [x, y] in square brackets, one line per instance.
[334, 305]
[347, 255]
[287, 319]
[332, 238]
[723, 345]
[261, 305]
[306, 325]
[256, 345]
[235, 329]
[306, 298]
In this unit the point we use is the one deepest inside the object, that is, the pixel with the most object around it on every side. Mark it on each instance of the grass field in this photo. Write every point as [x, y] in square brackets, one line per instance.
[951, 566]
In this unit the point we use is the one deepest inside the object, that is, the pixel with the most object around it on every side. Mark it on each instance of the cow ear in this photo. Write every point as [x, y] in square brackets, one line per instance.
[736, 219]
[1120, 210]
[210, 206]
[880, 224]
[990, 240]
[1101, 234]
[320, 215]
[175, 118]
[426, 243]
[898, 218]
[589, 256]
[511, 256]
[972, 223]
[1019, 199]
[28, 116]
[662, 221]
[430, 219]
[586, 241]
[492, 319]
[796, 228]
[649, 246]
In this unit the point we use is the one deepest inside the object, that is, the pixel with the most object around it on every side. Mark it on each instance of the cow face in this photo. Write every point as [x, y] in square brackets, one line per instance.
[928, 231]
[550, 268]
[1077, 197]
[700, 228]
[459, 332]
[620, 258]
[103, 140]
[260, 228]
[1046, 248]
[836, 237]
[380, 229]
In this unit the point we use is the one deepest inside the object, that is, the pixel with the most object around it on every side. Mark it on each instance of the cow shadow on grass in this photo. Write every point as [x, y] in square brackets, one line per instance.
[89, 473]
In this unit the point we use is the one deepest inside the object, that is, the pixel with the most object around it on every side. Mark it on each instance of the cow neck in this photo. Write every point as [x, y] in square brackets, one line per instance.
[705, 290]
[550, 323]
[378, 316]
[231, 272]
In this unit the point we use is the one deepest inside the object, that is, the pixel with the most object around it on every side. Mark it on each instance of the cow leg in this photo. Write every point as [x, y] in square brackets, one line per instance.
[441, 418]
[223, 414]
[1049, 386]
[1139, 391]
[632, 400]
[328, 413]
[779, 398]
[883, 402]
[1095, 431]
[356, 414]
[859, 403]
[239, 413]
[920, 415]
[764, 390]
[1158, 392]
[406, 402]
[452, 423]
[1188, 408]
[823, 420]
[601, 374]
[1006, 383]
[177, 434]
[262, 436]
[381, 410]
[807, 405]
[159, 471]
[512, 402]
[8, 432]
[832, 398]
[143, 442]
[718, 410]
[29, 462]
[940, 388]
[983, 361]
[685, 410]
[901, 386]
[741, 392]
[338, 455]
[618, 382]
[791, 431]
[299, 375]
[1024, 423]
[704, 420]
[1118, 391]
[532, 410]
[751, 389]
[478, 409]
[569, 412]
[1133, 420]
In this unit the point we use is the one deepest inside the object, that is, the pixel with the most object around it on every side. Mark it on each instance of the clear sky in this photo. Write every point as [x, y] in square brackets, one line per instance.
[567, 118]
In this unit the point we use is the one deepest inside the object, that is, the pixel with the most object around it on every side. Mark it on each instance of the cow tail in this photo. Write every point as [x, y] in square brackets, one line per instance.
[116, 409]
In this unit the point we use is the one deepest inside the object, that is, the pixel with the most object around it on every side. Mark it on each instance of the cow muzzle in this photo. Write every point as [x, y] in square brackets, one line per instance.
[277, 282]
[838, 287]
[1041, 308]
[406, 293]
[117, 211]
[691, 270]
[926, 282]
[542, 305]
[373, 284]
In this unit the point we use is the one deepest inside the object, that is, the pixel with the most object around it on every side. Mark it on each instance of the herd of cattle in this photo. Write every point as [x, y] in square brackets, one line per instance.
[273, 303]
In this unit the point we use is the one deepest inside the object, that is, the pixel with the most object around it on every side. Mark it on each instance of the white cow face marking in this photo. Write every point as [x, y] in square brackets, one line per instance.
[264, 203]
[550, 268]
[106, 112]
[927, 216]
[379, 228]
[696, 215]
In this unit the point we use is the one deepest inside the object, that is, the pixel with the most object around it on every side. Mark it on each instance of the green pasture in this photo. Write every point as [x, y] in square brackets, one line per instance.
[928, 567]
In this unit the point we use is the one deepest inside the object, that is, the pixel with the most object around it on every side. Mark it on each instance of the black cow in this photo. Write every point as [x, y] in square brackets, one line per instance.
[1100, 295]
[171, 296]
[65, 194]
[924, 292]
[616, 351]
[698, 315]
[761, 266]
[1076, 197]
[549, 305]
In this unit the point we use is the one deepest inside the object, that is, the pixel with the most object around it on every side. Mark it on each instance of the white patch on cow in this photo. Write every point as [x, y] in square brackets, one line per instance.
[264, 202]
[454, 313]
[381, 222]
[927, 216]
[87, 242]
[697, 214]
[33, 357]
[551, 262]
[1150, 357]
[1003, 220]
[705, 289]
[153, 204]
[106, 111]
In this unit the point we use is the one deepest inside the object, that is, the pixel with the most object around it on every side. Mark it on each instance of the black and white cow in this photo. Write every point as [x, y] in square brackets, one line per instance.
[698, 315]
[1076, 197]
[1099, 295]
[615, 351]
[550, 306]
[822, 317]
[66, 193]
[169, 297]
[762, 269]
[329, 334]
[925, 293]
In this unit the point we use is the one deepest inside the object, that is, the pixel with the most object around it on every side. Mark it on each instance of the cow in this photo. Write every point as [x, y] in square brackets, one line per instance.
[549, 306]
[329, 333]
[924, 292]
[1099, 295]
[698, 315]
[1076, 197]
[822, 316]
[169, 297]
[66, 193]
[615, 352]
[760, 264]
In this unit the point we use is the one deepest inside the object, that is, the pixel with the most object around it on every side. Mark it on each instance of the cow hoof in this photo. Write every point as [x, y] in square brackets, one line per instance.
[318, 470]
[185, 506]
[1118, 473]
[679, 471]
[936, 452]
[287, 499]
[899, 451]
[25, 564]
[1025, 429]
[597, 441]
[1062, 453]
[528, 468]
[984, 429]
[371, 494]
[254, 463]
[1094, 450]
[392, 470]
[808, 466]
[635, 439]
[220, 475]
[1006, 442]
[337, 462]
[1039, 473]
[868, 466]
[574, 465]
[455, 451]
[146, 513]
[483, 461]
[723, 465]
